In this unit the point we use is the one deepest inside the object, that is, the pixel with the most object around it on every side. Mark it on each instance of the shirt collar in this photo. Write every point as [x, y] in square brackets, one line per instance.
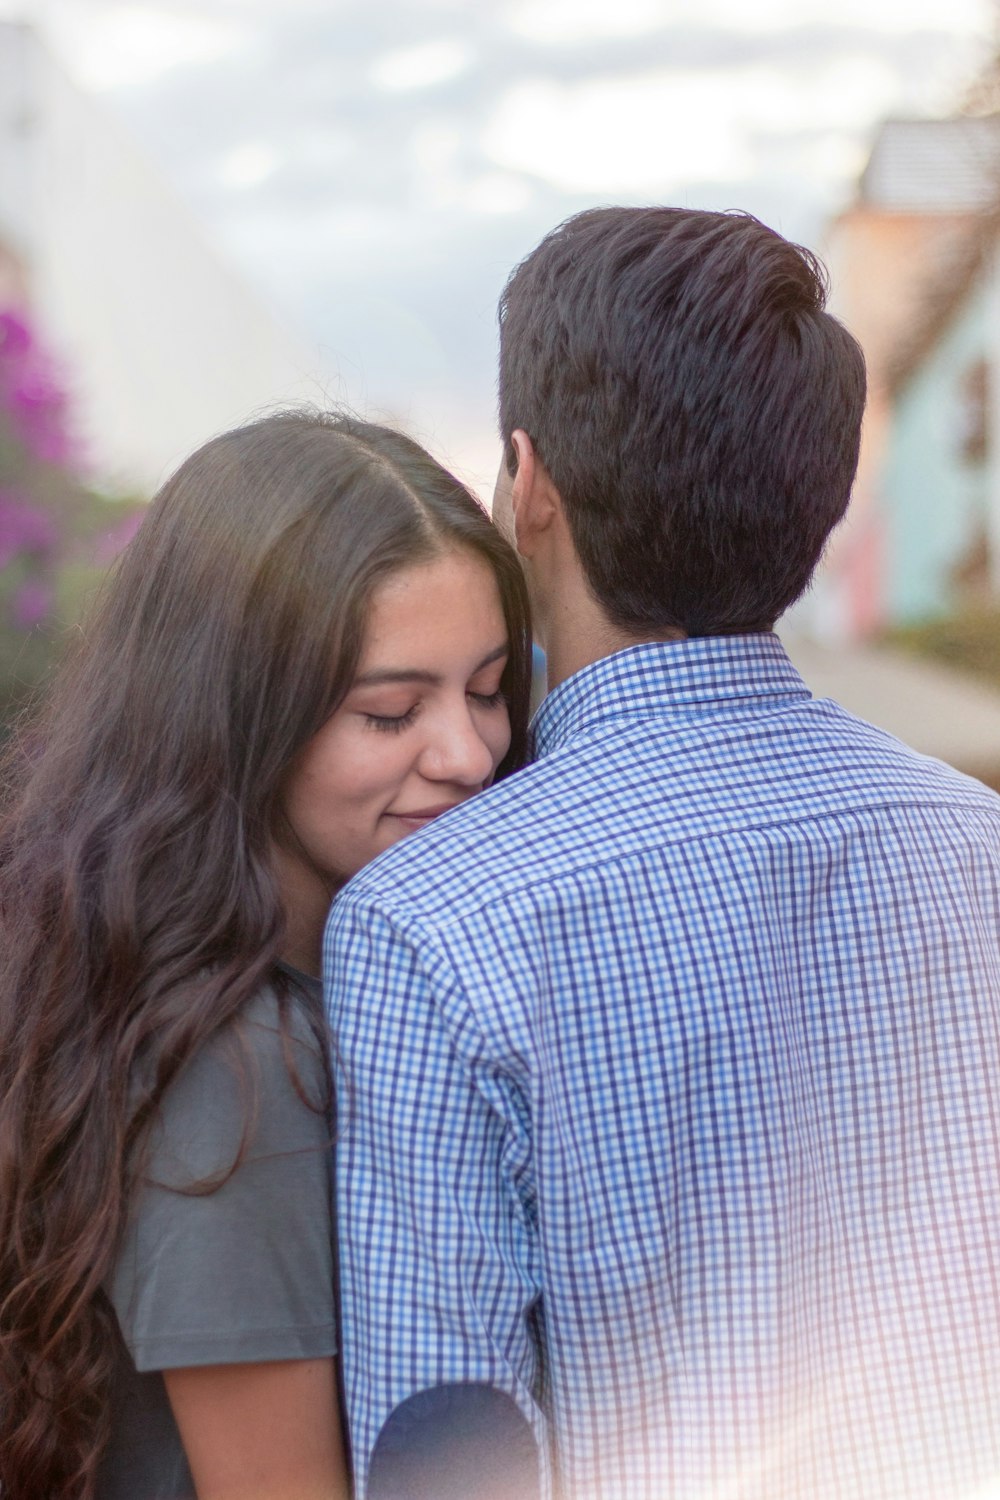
[704, 675]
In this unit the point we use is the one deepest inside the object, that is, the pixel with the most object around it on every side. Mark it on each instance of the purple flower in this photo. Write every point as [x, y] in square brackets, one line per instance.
[39, 412]
[15, 336]
[31, 603]
[24, 528]
[32, 393]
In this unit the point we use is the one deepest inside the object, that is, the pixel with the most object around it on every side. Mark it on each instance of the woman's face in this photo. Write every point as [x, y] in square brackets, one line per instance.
[422, 728]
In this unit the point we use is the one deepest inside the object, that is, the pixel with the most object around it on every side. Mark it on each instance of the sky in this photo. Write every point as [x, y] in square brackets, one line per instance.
[374, 168]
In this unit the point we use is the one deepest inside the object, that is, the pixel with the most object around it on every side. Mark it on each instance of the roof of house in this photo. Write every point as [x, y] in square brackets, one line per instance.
[947, 173]
[934, 166]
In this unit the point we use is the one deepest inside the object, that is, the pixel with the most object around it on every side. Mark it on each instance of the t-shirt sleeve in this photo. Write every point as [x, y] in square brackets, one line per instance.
[243, 1273]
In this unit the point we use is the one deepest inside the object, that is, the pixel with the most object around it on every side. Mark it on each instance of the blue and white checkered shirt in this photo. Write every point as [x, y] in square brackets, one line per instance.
[669, 1097]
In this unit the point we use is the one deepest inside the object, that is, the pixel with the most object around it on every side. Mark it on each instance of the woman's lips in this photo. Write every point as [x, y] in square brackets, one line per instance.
[421, 816]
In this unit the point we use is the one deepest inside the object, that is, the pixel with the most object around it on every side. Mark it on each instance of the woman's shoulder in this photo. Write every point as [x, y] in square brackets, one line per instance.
[281, 1026]
[259, 1087]
[227, 1254]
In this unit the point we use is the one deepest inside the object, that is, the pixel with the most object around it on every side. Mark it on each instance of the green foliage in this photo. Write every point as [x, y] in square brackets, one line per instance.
[968, 639]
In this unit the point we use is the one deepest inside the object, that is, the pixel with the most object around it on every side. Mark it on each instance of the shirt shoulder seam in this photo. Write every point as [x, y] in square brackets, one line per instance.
[412, 919]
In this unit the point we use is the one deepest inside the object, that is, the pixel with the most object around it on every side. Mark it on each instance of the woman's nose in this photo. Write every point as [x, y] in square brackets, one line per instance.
[456, 751]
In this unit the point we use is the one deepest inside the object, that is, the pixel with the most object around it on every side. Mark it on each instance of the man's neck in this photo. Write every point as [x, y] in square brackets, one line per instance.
[577, 633]
[573, 626]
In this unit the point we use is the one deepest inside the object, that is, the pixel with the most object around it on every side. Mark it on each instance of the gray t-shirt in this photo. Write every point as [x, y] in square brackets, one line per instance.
[241, 1274]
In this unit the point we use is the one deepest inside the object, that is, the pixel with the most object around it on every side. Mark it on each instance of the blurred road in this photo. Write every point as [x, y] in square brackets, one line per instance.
[936, 710]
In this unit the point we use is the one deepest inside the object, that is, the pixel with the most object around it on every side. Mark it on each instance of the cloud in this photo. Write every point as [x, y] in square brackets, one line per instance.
[422, 66]
[657, 132]
[616, 135]
[499, 193]
[567, 23]
[249, 164]
[570, 21]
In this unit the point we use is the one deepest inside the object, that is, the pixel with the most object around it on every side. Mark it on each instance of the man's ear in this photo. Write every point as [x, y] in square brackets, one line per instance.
[534, 500]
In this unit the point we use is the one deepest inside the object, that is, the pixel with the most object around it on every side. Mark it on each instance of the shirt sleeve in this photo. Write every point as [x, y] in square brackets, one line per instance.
[243, 1273]
[439, 1275]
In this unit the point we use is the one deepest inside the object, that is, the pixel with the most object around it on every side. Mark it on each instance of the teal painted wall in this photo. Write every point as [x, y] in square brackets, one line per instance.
[933, 499]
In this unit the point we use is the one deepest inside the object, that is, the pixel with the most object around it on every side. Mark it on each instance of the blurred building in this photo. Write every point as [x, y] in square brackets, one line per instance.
[914, 270]
[162, 343]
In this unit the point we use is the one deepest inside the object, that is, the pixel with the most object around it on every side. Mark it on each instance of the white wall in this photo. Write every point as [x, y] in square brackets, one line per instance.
[162, 342]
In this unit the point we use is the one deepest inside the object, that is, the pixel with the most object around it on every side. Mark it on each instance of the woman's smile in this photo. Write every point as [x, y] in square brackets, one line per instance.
[423, 815]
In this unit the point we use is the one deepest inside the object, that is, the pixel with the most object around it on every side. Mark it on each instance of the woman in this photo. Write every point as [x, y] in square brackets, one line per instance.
[315, 644]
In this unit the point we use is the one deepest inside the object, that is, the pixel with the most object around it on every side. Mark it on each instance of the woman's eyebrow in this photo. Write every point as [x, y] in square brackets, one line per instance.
[415, 674]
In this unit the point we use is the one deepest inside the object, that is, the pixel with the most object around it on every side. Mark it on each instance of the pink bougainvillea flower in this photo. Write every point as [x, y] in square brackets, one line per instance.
[15, 335]
[24, 528]
[32, 603]
[32, 394]
[38, 409]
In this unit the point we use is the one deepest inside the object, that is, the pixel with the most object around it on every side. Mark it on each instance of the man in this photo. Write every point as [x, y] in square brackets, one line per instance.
[668, 1152]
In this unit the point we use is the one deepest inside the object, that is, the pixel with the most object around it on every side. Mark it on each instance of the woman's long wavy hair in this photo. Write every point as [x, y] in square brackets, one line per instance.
[138, 906]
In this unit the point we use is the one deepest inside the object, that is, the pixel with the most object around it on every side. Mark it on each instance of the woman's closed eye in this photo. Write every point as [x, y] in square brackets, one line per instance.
[394, 723]
[495, 699]
[391, 723]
